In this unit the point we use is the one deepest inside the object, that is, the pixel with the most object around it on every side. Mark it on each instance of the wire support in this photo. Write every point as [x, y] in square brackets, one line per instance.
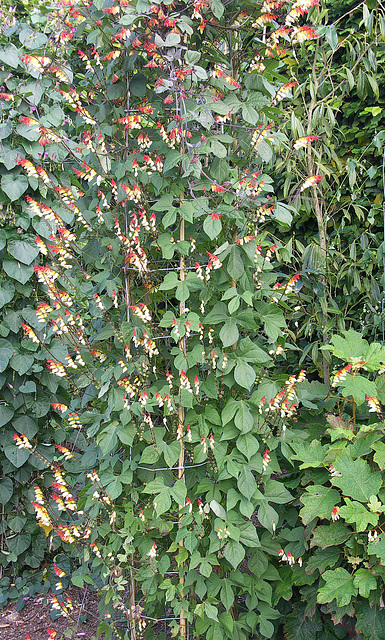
[187, 466]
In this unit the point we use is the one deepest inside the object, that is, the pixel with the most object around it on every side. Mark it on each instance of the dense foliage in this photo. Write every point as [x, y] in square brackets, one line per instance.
[197, 476]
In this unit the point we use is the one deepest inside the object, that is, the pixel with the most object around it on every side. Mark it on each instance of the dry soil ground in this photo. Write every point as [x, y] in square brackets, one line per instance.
[34, 620]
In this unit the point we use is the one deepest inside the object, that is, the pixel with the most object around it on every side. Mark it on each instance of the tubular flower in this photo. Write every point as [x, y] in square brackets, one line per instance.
[310, 182]
[335, 514]
[333, 472]
[42, 311]
[341, 375]
[266, 460]
[59, 407]
[42, 515]
[301, 34]
[66, 452]
[59, 572]
[74, 421]
[30, 333]
[300, 8]
[265, 18]
[59, 606]
[282, 555]
[22, 441]
[57, 368]
[302, 142]
[284, 91]
[374, 404]
[39, 498]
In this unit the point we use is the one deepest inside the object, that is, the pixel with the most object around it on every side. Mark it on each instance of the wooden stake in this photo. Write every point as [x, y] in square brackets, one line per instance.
[181, 470]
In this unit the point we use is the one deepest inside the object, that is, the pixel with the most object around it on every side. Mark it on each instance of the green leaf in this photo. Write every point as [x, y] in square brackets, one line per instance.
[149, 455]
[211, 611]
[322, 559]
[248, 445]
[227, 595]
[300, 626]
[365, 582]
[15, 455]
[107, 439]
[6, 353]
[244, 374]
[249, 113]
[138, 85]
[6, 414]
[173, 157]
[357, 480]
[229, 333]
[266, 627]
[7, 291]
[171, 452]
[377, 548]
[355, 512]
[283, 213]
[14, 185]
[217, 148]
[311, 453]
[246, 483]
[114, 489]
[251, 352]
[276, 492]
[179, 492]
[5, 130]
[330, 535]
[6, 490]
[23, 250]
[21, 363]
[186, 211]
[267, 516]
[17, 271]
[32, 39]
[217, 8]
[10, 56]
[26, 425]
[205, 568]
[358, 387]
[265, 152]
[212, 226]
[218, 509]
[351, 348]
[244, 419]
[249, 537]
[234, 553]
[234, 264]
[370, 621]
[318, 503]
[273, 320]
[28, 387]
[339, 586]
[379, 456]
[182, 292]
[164, 203]
[162, 502]
[19, 543]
